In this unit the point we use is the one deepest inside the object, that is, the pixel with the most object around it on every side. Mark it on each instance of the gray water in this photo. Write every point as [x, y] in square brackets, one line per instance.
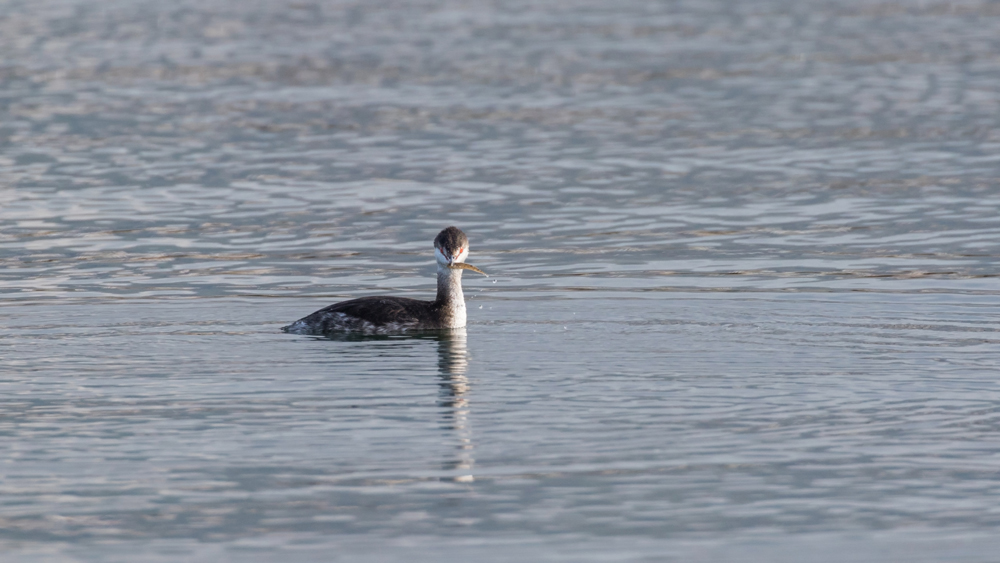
[743, 303]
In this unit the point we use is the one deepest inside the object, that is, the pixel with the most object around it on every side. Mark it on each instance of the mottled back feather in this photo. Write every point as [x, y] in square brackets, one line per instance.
[381, 310]
[371, 315]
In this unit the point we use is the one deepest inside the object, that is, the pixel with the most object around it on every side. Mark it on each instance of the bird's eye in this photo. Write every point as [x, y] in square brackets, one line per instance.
[460, 250]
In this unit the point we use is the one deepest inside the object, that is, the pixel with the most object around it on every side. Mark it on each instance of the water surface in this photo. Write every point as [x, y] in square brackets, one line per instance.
[743, 304]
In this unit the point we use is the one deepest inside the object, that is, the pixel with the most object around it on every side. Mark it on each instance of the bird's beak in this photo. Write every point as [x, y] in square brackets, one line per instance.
[464, 266]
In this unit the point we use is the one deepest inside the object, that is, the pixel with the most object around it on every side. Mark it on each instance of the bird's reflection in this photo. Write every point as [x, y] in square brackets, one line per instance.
[453, 363]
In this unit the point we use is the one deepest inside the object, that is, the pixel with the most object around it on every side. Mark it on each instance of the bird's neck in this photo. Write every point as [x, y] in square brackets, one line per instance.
[449, 295]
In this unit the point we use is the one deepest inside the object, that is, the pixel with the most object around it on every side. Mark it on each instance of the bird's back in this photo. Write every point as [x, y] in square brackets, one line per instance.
[370, 314]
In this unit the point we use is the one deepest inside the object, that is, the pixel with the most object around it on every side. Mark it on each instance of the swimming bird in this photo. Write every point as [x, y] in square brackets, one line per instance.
[383, 314]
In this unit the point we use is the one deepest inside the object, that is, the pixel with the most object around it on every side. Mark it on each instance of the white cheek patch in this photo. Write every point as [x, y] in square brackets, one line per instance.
[463, 255]
[441, 258]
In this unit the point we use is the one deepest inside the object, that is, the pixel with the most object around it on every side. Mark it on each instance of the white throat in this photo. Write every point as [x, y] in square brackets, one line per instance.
[450, 295]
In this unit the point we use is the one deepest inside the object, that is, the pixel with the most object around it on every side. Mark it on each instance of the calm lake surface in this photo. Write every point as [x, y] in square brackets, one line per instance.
[743, 305]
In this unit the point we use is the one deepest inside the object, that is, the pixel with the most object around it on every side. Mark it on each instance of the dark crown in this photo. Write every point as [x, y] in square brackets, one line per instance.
[451, 239]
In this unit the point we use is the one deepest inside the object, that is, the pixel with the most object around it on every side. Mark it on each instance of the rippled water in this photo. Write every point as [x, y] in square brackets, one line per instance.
[744, 303]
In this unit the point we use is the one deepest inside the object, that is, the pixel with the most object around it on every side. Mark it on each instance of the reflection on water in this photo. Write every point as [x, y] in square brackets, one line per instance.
[454, 389]
[453, 363]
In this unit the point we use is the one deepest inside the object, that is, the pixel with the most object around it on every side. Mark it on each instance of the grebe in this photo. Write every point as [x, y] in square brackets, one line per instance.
[379, 315]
